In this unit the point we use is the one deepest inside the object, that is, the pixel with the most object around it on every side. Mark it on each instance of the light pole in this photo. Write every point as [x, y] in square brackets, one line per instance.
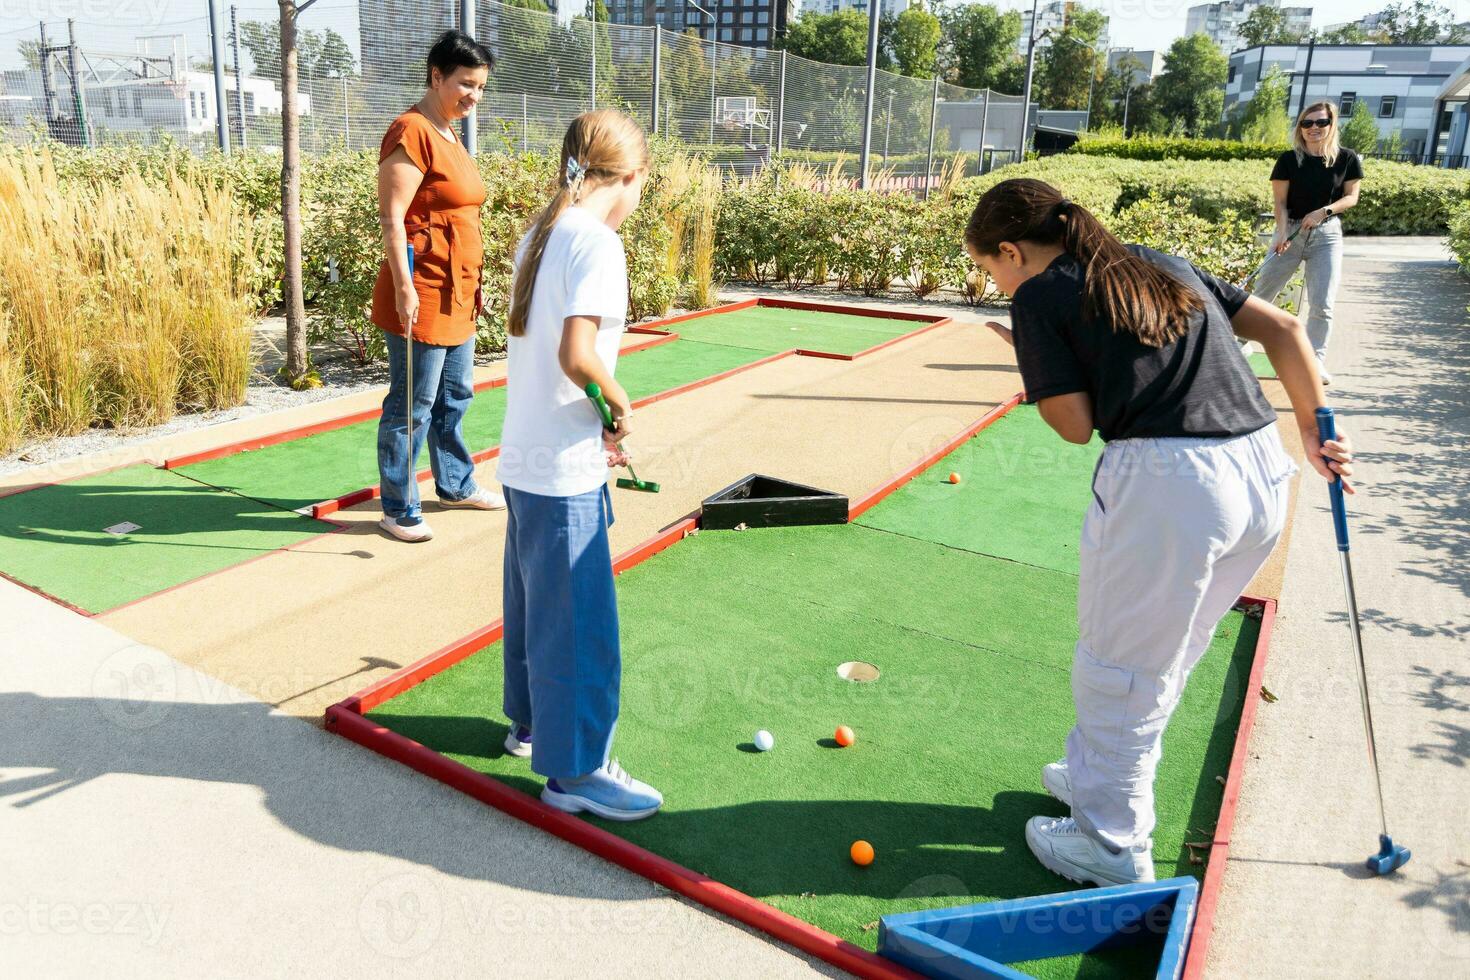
[887, 125]
[1026, 88]
[713, 54]
[874, 12]
[1091, 66]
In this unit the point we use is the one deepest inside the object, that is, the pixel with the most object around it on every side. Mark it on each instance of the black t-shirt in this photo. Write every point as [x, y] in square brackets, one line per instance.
[1199, 385]
[1313, 184]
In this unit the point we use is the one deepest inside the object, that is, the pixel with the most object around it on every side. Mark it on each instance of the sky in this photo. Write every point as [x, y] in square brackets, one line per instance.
[1142, 24]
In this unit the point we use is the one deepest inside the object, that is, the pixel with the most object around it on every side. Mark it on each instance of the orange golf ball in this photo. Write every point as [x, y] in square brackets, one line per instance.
[844, 736]
[954, 478]
[861, 853]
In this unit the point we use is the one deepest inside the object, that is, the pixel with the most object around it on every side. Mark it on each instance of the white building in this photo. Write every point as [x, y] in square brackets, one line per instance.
[1054, 17]
[891, 8]
[1400, 83]
[1151, 63]
[1222, 21]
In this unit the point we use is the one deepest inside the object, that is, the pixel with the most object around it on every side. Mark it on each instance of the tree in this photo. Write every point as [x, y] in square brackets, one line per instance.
[978, 47]
[1066, 70]
[297, 370]
[1264, 119]
[1190, 92]
[1361, 131]
[30, 53]
[1418, 22]
[1267, 25]
[914, 43]
[840, 38]
[1346, 34]
[319, 54]
[1117, 87]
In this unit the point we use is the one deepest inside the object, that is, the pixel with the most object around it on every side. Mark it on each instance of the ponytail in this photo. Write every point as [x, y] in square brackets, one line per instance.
[1128, 292]
[599, 147]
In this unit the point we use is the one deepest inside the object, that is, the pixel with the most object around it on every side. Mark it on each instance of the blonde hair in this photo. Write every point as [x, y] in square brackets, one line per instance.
[1330, 146]
[600, 147]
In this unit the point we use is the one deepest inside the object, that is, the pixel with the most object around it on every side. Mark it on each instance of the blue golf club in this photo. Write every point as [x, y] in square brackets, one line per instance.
[1390, 856]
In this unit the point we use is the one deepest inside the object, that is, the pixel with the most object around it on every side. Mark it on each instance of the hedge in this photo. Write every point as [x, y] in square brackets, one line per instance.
[1144, 147]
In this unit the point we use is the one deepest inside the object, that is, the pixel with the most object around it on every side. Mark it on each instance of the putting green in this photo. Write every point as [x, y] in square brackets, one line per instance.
[331, 464]
[53, 537]
[1261, 365]
[1022, 495]
[773, 329]
[727, 633]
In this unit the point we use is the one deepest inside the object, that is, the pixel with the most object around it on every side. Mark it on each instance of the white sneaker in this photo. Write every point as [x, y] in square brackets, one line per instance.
[1326, 378]
[407, 532]
[1062, 847]
[481, 499]
[1054, 780]
[518, 741]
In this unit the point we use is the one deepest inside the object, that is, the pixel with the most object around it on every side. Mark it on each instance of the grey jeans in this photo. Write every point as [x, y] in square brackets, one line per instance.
[1321, 249]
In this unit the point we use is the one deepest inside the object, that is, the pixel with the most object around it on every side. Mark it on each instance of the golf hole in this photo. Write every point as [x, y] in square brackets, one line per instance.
[858, 671]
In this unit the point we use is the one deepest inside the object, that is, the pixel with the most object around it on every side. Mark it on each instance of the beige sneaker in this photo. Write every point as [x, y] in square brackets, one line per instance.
[481, 499]
[1062, 847]
[407, 532]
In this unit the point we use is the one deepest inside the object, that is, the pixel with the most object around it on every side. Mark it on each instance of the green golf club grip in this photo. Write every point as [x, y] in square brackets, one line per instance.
[594, 392]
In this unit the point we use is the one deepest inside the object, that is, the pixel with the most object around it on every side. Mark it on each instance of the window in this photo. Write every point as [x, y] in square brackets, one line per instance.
[1231, 77]
[726, 34]
[748, 17]
[764, 17]
[745, 34]
[728, 17]
[193, 109]
[249, 103]
[1346, 103]
[762, 35]
[1387, 106]
[138, 104]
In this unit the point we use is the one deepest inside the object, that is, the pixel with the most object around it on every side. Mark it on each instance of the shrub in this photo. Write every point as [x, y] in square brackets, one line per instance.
[1145, 147]
[1459, 236]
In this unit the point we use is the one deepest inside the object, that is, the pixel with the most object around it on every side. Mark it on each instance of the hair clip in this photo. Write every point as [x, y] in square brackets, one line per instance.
[576, 171]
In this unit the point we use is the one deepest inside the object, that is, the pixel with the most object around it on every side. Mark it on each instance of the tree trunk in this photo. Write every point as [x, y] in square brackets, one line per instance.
[297, 366]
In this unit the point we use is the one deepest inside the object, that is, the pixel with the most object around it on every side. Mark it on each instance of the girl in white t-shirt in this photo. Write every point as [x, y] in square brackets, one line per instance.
[562, 660]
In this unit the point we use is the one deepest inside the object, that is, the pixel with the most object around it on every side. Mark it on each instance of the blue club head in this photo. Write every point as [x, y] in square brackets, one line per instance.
[1390, 856]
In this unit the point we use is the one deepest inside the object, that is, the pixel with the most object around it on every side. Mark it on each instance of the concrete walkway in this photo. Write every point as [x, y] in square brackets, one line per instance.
[177, 825]
[1297, 900]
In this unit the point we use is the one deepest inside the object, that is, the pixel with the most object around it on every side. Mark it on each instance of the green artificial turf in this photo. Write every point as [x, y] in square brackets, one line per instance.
[52, 538]
[728, 632]
[1022, 494]
[328, 465]
[773, 329]
[1261, 365]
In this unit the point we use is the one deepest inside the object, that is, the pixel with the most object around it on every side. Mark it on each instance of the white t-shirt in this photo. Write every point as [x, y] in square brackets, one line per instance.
[552, 440]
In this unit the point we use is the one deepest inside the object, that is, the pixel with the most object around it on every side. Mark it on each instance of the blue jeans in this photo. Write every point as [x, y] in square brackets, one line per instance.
[563, 663]
[1321, 250]
[443, 386]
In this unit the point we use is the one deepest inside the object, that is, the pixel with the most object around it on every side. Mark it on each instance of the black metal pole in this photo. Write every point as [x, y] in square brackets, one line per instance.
[1301, 105]
[873, 15]
[933, 122]
[1026, 88]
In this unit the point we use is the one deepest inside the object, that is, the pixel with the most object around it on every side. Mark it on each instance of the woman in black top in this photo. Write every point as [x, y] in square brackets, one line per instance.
[1311, 185]
[1188, 499]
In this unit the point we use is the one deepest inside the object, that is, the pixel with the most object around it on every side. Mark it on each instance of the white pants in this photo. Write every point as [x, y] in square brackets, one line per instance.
[1176, 530]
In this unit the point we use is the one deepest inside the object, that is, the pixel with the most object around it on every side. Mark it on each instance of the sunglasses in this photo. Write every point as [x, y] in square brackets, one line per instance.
[1319, 123]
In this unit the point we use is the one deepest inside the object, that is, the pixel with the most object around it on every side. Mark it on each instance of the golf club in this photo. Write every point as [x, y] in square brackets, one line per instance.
[1390, 856]
[1250, 280]
[594, 392]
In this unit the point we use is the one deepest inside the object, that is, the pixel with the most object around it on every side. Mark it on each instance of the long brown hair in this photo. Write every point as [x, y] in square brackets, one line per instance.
[1331, 145]
[599, 148]
[1133, 295]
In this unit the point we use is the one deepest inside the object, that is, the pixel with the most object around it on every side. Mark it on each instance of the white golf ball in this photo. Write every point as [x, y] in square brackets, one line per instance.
[763, 740]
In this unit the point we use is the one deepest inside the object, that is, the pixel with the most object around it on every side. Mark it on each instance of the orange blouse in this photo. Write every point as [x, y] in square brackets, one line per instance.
[443, 225]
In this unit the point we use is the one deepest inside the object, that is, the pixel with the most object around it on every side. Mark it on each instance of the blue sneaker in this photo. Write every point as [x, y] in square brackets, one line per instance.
[518, 741]
[608, 792]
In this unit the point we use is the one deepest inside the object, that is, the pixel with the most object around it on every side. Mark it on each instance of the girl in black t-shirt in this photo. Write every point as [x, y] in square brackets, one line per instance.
[1311, 185]
[1189, 497]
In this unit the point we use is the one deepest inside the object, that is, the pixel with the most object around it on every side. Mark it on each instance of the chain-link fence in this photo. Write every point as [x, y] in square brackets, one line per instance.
[361, 64]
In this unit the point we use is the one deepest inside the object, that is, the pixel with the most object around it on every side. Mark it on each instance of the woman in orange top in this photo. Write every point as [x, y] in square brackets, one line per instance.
[429, 196]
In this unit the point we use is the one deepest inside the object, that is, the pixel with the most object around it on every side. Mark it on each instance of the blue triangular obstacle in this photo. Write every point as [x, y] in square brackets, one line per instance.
[969, 942]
